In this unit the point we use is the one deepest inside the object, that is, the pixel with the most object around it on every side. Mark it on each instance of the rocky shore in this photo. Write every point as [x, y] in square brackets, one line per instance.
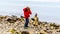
[15, 25]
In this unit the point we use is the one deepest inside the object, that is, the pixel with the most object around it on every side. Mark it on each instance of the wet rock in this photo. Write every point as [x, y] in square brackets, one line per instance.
[12, 31]
[42, 32]
[24, 32]
[22, 19]
[17, 33]
[11, 20]
[58, 30]
[18, 19]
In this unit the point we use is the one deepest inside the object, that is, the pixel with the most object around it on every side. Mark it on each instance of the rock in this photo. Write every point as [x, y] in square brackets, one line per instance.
[22, 19]
[18, 33]
[42, 32]
[12, 31]
[18, 19]
[11, 20]
[25, 32]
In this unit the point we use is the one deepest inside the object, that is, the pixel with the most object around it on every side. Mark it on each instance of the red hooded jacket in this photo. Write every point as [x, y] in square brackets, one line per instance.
[27, 13]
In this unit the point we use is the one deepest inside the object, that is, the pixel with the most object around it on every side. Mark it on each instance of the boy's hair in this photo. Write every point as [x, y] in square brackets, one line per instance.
[28, 7]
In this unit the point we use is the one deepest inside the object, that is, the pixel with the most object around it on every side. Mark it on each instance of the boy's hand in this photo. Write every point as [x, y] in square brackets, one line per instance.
[22, 17]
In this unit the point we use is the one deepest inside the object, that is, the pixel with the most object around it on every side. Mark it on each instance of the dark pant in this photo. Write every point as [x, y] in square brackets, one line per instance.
[26, 22]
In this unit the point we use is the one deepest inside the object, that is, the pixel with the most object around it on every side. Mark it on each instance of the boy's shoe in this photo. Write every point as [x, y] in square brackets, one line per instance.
[25, 27]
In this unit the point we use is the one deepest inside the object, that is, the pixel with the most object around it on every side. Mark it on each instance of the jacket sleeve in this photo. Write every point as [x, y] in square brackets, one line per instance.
[24, 9]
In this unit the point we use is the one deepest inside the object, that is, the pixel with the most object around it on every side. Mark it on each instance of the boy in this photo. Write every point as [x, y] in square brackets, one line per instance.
[27, 13]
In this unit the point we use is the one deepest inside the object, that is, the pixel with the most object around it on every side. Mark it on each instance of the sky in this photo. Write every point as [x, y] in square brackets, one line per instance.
[47, 10]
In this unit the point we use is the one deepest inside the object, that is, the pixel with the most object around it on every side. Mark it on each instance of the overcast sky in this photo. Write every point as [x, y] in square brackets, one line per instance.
[48, 10]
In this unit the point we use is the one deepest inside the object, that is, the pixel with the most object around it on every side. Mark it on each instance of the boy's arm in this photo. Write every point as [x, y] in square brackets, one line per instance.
[30, 12]
[24, 9]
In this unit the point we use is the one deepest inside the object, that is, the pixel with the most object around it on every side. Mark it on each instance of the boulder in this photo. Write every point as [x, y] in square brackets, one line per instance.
[24, 32]
[11, 20]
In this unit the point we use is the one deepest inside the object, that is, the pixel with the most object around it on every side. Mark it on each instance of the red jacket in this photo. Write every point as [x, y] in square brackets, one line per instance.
[27, 13]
